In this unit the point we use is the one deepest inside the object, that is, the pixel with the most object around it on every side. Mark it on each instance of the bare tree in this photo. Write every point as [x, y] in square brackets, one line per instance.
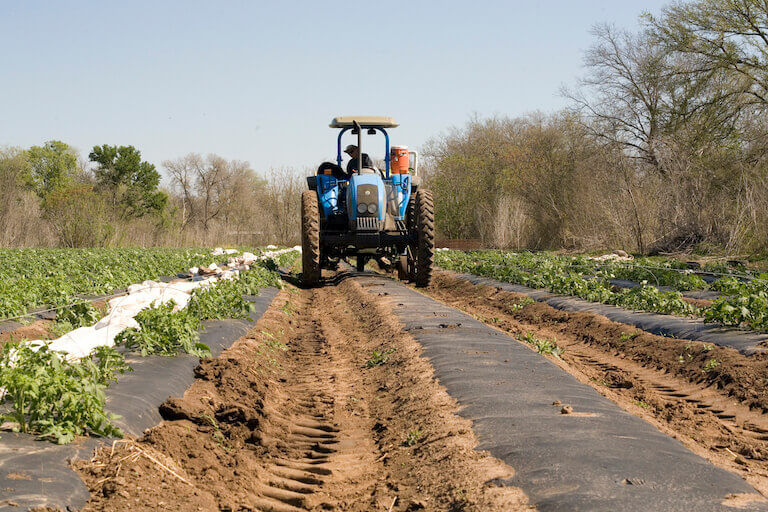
[726, 35]
[211, 188]
[280, 206]
[636, 92]
[181, 172]
[625, 98]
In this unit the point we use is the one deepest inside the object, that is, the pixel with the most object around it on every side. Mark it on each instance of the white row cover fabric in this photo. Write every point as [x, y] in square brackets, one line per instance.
[122, 310]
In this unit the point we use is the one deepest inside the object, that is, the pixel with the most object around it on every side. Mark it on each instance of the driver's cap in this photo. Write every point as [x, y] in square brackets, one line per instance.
[350, 148]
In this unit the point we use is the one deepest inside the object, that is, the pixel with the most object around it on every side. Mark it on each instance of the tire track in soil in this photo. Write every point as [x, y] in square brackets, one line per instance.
[308, 426]
[321, 442]
[707, 419]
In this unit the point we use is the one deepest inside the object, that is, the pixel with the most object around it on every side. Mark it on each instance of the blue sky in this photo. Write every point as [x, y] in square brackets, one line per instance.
[259, 81]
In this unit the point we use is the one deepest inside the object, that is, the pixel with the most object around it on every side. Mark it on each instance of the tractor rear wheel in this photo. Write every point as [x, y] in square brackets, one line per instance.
[425, 250]
[310, 238]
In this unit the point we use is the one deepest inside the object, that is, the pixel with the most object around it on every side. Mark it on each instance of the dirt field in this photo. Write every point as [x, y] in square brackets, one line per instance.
[328, 404]
[325, 405]
[718, 414]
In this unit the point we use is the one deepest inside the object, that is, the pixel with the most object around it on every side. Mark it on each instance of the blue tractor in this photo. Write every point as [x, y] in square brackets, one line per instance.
[368, 212]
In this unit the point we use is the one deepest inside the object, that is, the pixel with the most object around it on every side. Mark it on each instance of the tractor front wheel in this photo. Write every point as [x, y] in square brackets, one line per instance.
[402, 268]
[310, 238]
[425, 250]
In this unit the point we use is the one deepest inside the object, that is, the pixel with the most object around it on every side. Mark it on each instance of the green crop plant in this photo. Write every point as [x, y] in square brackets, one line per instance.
[520, 304]
[643, 404]
[54, 397]
[750, 310]
[220, 300]
[649, 298]
[54, 277]
[711, 365]
[75, 316]
[413, 437]
[163, 331]
[543, 346]
[379, 357]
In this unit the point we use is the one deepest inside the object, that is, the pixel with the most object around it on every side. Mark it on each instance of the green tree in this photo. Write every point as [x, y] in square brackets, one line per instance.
[78, 217]
[131, 183]
[53, 167]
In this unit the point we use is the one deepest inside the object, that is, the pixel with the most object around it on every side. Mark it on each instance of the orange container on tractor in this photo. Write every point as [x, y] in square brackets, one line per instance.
[398, 160]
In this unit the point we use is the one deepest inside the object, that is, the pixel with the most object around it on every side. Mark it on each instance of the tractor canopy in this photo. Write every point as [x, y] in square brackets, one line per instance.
[370, 123]
[364, 121]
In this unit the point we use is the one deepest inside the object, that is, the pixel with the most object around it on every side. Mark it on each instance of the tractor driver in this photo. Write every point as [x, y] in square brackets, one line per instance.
[354, 153]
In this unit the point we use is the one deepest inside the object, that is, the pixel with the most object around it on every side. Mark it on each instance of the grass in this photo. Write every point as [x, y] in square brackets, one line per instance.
[273, 342]
[265, 360]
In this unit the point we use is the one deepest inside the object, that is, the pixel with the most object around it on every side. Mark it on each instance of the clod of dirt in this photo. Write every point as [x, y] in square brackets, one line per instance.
[113, 486]
[567, 409]
[557, 402]
[19, 476]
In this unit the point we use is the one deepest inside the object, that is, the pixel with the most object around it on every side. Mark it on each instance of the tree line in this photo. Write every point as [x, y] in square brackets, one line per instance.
[662, 148]
[51, 196]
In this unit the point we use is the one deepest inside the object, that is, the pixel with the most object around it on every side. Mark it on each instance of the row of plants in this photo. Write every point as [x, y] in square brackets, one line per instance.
[662, 272]
[44, 392]
[745, 305]
[31, 278]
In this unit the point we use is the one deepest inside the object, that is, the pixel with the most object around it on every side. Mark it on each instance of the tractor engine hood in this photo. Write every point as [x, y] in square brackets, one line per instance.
[366, 201]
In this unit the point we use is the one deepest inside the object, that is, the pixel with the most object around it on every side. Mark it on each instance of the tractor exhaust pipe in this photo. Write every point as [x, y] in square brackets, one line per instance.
[359, 146]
